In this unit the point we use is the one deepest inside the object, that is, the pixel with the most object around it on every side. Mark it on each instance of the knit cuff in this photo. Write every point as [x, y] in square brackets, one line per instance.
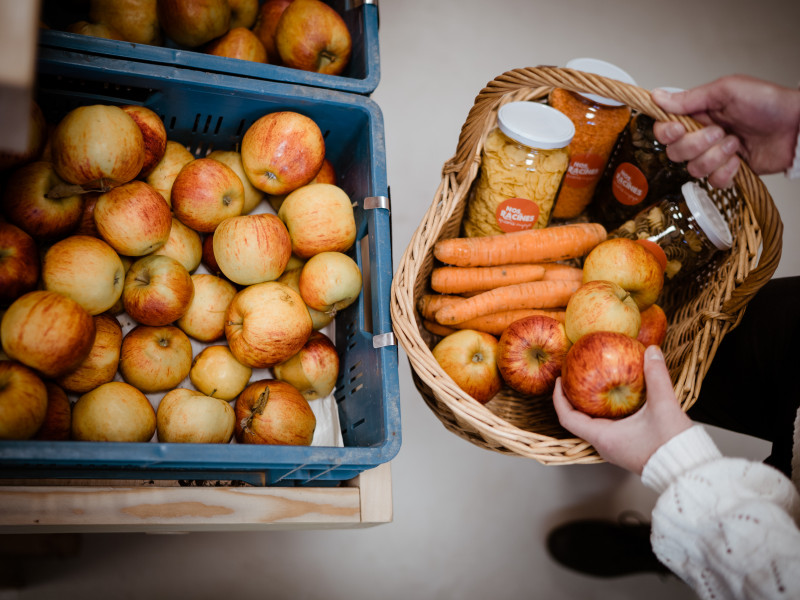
[685, 451]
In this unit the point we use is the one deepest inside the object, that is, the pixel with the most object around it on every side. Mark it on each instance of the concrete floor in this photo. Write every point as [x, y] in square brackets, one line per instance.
[468, 523]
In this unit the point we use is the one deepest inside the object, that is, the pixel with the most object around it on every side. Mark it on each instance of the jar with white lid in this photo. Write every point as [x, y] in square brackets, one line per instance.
[523, 163]
[687, 226]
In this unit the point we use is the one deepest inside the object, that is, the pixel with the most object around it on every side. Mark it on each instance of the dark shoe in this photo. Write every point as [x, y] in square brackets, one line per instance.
[605, 548]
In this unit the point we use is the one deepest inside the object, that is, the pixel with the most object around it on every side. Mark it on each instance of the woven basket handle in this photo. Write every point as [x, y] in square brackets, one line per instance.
[750, 185]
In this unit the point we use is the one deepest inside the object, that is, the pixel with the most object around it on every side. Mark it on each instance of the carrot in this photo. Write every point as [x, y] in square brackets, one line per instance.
[530, 246]
[559, 271]
[430, 303]
[457, 280]
[533, 294]
[495, 323]
[437, 329]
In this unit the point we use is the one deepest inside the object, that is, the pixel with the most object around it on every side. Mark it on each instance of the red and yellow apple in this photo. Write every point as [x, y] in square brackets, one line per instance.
[205, 193]
[209, 260]
[23, 401]
[185, 416]
[239, 43]
[530, 354]
[204, 320]
[252, 248]
[266, 324]
[184, 245]
[135, 20]
[157, 291]
[154, 135]
[154, 359]
[273, 412]
[291, 277]
[603, 374]
[601, 306]
[163, 175]
[330, 282]
[192, 23]
[100, 366]
[48, 332]
[312, 36]
[314, 369]
[58, 418]
[243, 13]
[232, 158]
[19, 263]
[469, 357]
[216, 372]
[266, 23]
[86, 225]
[282, 151]
[654, 326]
[320, 218]
[113, 412]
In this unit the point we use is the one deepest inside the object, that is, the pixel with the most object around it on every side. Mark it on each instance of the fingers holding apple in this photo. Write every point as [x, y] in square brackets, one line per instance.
[469, 357]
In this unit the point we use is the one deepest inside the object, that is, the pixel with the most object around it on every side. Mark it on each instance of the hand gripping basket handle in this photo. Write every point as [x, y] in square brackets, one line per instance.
[751, 187]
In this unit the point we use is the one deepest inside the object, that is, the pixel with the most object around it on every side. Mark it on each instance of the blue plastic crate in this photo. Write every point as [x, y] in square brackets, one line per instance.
[208, 112]
[360, 77]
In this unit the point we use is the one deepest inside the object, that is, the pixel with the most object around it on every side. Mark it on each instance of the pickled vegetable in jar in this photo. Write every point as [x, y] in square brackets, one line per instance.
[598, 123]
[522, 164]
[638, 172]
[686, 225]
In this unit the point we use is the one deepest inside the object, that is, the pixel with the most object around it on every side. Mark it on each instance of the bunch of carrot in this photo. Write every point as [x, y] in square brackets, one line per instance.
[490, 282]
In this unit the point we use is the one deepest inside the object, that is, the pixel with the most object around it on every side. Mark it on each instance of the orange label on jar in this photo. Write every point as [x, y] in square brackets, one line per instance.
[584, 169]
[516, 214]
[629, 185]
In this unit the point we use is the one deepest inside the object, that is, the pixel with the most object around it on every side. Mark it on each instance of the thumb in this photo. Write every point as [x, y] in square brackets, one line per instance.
[656, 376]
[682, 103]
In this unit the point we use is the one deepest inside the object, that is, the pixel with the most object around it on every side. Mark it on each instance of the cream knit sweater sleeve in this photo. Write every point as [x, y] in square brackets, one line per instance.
[726, 526]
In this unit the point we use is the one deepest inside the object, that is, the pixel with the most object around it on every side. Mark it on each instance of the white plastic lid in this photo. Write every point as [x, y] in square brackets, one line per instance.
[605, 69]
[536, 125]
[707, 215]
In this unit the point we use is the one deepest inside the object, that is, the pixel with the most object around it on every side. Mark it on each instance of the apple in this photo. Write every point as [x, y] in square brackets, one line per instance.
[185, 416]
[320, 218]
[603, 374]
[601, 306]
[205, 318]
[119, 306]
[23, 401]
[87, 270]
[314, 369]
[135, 20]
[243, 13]
[530, 354]
[252, 248]
[209, 260]
[154, 135]
[163, 175]
[628, 264]
[273, 412]
[48, 332]
[216, 372]
[239, 43]
[157, 291]
[155, 359]
[192, 23]
[312, 36]
[58, 418]
[100, 366]
[133, 218]
[113, 412]
[37, 139]
[184, 245]
[291, 277]
[26, 203]
[98, 144]
[86, 225]
[19, 263]
[95, 30]
[266, 23]
[654, 326]
[205, 193]
[330, 282]
[252, 195]
[326, 174]
[469, 357]
[266, 323]
[282, 151]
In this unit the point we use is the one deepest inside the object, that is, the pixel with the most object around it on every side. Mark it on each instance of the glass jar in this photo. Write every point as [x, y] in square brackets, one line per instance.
[686, 225]
[598, 123]
[637, 172]
[523, 162]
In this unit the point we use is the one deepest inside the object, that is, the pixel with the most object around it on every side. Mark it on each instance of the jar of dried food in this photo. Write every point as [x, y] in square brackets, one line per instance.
[638, 172]
[686, 225]
[598, 123]
[522, 164]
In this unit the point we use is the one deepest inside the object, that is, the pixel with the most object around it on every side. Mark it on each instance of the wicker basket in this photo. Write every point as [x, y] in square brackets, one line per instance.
[700, 315]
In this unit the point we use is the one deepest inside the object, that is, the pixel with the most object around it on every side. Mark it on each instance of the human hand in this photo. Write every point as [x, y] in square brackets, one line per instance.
[743, 116]
[630, 442]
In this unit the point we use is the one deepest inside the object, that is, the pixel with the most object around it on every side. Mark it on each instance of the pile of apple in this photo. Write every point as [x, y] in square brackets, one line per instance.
[301, 34]
[120, 252]
[598, 350]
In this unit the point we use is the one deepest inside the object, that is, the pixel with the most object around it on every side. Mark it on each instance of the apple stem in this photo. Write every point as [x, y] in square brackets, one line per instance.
[326, 58]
